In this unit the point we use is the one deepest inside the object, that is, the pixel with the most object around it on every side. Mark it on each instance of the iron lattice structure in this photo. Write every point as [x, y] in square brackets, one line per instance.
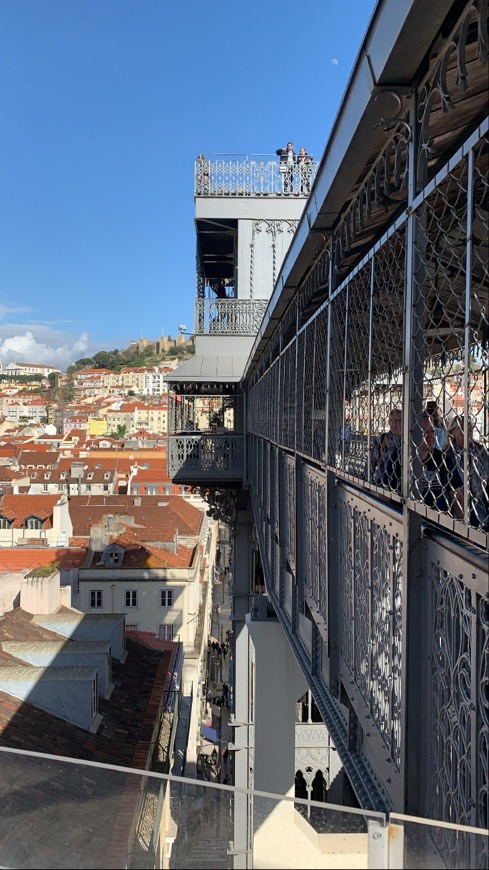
[379, 577]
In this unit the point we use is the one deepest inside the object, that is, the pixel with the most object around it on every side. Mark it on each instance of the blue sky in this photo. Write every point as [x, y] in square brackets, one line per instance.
[105, 105]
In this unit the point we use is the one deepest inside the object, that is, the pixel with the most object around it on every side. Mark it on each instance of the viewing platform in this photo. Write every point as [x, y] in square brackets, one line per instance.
[224, 175]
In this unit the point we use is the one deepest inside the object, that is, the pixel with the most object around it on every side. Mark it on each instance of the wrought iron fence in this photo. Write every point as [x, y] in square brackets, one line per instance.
[205, 457]
[373, 395]
[252, 175]
[403, 347]
[229, 316]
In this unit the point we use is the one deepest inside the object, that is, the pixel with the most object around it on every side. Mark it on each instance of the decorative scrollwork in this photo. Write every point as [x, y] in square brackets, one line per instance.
[435, 90]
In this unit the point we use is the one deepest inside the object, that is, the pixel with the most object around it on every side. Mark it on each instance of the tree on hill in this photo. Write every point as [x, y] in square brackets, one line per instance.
[115, 360]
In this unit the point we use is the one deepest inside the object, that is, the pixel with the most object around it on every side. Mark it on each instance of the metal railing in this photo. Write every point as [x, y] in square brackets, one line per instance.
[205, 457]
[128, 817]
[252, 175]
[229, 316]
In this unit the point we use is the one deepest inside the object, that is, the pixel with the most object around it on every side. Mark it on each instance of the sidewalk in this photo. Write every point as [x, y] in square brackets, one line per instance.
[220, 672]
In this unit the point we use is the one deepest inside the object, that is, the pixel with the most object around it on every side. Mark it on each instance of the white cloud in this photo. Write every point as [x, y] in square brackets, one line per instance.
[334, 61]
[26, 348]
[7, 310]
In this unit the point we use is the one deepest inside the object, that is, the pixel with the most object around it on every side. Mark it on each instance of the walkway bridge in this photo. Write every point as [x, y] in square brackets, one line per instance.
[372, 558]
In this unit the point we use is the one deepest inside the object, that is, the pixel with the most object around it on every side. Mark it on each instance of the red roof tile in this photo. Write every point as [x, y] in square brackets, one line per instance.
[25, 558]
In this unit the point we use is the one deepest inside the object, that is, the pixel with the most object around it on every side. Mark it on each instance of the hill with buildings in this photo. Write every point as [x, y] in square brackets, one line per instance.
[139, 353]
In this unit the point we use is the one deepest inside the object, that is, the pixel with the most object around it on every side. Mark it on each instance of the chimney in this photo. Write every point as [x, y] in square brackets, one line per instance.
[40, 590]
[137, 501]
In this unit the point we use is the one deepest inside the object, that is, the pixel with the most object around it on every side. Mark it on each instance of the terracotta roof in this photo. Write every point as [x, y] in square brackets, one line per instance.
[8, 473]
[19, 507]
[25, 558]
[45, 458]
[146, 556]
[148, 639]
[151, 475]
[157, 516]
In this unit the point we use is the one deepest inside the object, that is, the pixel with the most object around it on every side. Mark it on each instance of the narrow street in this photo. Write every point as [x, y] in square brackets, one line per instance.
[204, 815]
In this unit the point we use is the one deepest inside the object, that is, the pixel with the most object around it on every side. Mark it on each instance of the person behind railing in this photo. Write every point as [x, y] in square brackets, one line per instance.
[287, 164]
[203, 175]
[190, 427]
[220, 290]
[441, 480]
[221, 449]
[478, 460]
[436, 415]
[304, 162]
[385, 454]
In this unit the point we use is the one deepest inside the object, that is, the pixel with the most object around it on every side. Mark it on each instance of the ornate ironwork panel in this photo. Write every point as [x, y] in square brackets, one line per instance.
[313, 557]
[371, 645]
[461, 63]
[229, 316]
[458, 782]
[289, 510]
[249, 176]
[206, 456]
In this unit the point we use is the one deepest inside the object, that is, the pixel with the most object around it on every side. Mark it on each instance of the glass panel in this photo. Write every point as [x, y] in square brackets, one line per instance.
[427, 844]
[59, 812]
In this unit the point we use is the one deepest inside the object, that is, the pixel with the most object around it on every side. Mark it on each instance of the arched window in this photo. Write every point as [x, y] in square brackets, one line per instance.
[5, 523]
[33, 523]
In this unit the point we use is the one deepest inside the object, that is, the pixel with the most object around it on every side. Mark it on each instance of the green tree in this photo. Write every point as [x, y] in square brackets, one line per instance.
[119, 432]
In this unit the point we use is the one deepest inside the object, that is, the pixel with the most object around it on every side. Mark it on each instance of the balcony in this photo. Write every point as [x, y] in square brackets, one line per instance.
[81, 814]
[251, 175]
[229, 316]
[204, 458]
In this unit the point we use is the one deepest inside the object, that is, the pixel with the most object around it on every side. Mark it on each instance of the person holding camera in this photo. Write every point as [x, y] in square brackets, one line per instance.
[287, 164]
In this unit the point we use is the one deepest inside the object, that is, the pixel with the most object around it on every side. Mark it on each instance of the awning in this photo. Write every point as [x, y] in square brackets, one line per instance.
[227, 369]
[209, 733]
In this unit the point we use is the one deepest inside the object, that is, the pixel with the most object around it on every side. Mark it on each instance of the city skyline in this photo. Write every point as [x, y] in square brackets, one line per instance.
[105, 107]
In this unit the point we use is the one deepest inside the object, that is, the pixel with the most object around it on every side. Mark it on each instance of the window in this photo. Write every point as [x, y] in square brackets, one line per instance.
[47, 475]
[167, 488]
[107, 475]
[151, 490]
[166, 632]
[33, 523]
[135, 490]
[61, 487]
[5, 523]
[88, 487]
[96, 598]
[45, 487]
[132, 626]
[106, 487]
[131, 598]
[90, 475]
[166, 597]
